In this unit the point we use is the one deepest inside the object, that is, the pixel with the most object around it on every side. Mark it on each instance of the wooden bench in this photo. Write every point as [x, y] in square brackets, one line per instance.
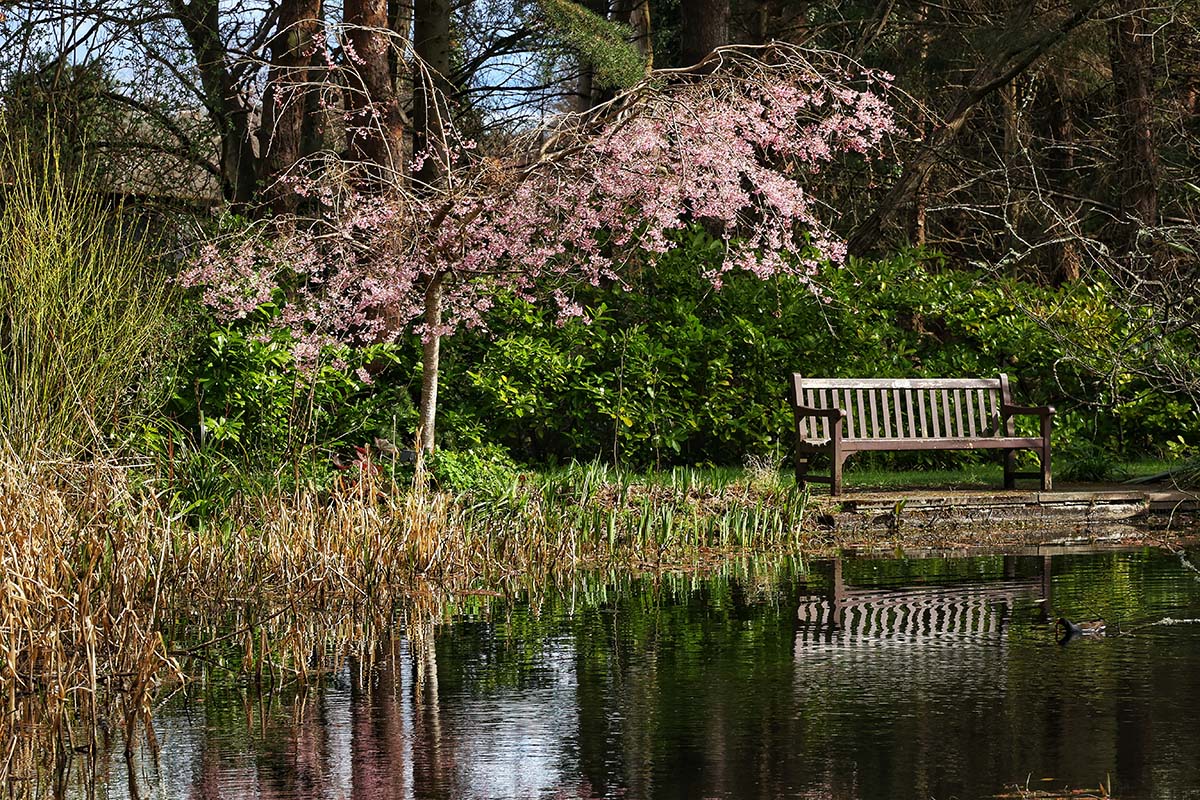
[840, 416]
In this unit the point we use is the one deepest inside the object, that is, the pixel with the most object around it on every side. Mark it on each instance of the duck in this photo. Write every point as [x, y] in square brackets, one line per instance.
[1068, 630]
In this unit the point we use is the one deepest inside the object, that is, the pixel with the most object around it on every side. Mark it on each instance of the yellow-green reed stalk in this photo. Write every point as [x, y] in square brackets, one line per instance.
[84, 312]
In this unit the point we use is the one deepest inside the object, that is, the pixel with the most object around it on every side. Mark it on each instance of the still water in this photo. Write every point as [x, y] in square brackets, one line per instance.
[856, 678]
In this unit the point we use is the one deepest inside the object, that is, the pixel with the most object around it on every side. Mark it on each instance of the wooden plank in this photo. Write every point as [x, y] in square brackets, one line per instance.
[912, 414]
[958, 401]
[935, 412]
[875, 414]
[945, 397]
[921, 403]
[821, 400]
[903, 383]
[978, 443]
[972, 413]
[887, 413]
[849, 409]
[994, 417]
[863, 431]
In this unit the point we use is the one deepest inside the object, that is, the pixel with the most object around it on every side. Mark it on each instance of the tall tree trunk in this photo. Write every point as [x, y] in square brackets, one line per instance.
[1065, 261]
[919, 228]
[643, 38]
[376, 127]
[285, 102]
[400, 14]
[704, 27]
[201, 21]
[431, 87]
[587, 94]
[1132, 56]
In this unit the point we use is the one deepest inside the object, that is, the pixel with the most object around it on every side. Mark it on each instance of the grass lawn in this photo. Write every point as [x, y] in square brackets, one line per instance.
[982, 476]
[856, 476]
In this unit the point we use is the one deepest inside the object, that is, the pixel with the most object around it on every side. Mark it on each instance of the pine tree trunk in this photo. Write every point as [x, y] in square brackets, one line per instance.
[704, 27]
[1132, 56]
[375, 133]
[431, 87]
[285, 101]
[643, 39]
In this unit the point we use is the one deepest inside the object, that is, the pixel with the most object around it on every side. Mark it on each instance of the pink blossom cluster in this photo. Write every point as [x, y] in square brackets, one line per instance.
[734, 156]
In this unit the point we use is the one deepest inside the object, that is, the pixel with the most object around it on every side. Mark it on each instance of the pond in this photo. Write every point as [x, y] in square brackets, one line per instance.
[858, 677]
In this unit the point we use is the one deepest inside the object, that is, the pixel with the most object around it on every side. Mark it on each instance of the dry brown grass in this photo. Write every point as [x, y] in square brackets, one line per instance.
[106, 598]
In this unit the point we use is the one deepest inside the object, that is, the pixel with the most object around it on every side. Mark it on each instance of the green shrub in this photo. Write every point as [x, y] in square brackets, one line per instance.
[242, 395]
[87, 316]
[487, 471]
[673, 372]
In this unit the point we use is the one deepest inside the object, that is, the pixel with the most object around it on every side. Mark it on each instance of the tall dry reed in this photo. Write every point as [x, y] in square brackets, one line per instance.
[106, 596]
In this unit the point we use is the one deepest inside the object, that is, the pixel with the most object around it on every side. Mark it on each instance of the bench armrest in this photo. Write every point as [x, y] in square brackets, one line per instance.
[808, 411]
[1026, 411]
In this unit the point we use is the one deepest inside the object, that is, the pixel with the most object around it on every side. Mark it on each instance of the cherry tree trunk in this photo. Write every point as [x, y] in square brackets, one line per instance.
[430, 364]
[431, 41]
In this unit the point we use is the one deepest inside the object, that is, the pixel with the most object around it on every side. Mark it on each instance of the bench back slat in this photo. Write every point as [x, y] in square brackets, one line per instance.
[875, 430]
[901, 383]
[958, 407]
[922, 401]
[863, 431]
[903, 408]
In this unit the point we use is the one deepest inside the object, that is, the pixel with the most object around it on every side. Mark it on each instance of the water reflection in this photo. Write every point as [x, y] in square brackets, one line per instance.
[856, 678]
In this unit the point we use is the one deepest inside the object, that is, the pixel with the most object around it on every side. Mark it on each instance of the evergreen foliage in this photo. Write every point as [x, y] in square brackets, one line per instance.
[601, 43]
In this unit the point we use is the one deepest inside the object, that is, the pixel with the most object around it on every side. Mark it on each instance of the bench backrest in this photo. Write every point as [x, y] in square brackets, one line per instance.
[904, 408]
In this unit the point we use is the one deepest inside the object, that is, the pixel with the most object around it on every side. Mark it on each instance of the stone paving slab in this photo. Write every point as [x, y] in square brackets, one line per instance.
[1079, 509]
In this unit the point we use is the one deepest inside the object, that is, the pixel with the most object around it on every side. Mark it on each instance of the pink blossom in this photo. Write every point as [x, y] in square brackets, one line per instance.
[736, 156]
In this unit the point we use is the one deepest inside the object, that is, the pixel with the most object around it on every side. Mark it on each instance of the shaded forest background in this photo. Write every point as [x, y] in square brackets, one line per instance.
[1038, 215]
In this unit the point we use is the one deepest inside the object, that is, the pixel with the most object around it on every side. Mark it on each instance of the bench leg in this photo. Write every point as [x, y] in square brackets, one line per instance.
[802, 465]
[1047, 482]
[1010, 467]
[835, 484]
